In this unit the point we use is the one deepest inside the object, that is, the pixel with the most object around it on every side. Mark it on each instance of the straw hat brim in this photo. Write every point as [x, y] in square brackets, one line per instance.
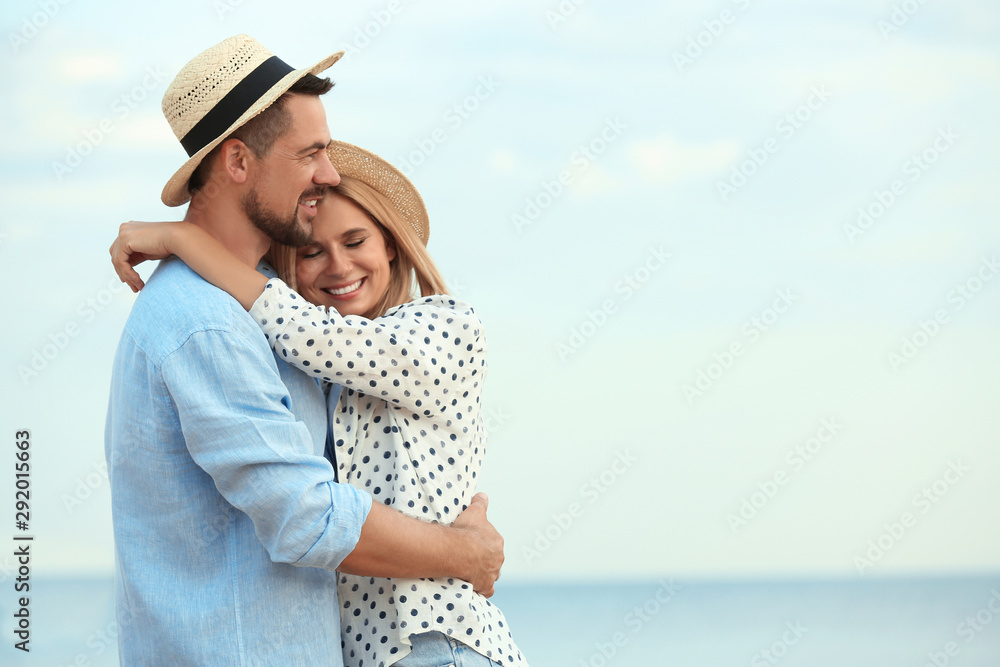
[363, 165]
[175, 192]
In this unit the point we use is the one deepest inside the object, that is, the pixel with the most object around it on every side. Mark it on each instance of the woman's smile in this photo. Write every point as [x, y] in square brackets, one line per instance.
[346, 292]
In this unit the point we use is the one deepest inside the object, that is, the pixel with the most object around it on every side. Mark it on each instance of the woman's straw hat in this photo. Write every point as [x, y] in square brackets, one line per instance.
[217, 92]
[357, 163]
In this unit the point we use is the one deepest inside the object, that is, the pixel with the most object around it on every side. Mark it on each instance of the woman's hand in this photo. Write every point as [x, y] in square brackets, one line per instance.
[138, 242]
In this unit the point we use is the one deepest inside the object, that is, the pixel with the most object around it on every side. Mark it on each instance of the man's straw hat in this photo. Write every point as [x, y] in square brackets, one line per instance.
[357, 163]
[217, 92]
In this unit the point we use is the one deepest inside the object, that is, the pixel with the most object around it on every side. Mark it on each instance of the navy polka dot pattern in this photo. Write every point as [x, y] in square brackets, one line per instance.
[408, 431]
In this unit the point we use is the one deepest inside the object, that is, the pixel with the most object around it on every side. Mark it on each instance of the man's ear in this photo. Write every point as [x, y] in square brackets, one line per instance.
[235, 158]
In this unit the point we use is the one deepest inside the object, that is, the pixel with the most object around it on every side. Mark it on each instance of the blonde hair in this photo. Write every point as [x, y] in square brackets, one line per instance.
[411, 272]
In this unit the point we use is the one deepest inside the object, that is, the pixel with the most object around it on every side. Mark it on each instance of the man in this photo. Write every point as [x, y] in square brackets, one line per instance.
[228, 522]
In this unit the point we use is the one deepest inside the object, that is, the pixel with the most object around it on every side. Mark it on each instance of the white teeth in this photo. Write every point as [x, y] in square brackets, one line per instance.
[310, 202]
[344, 290]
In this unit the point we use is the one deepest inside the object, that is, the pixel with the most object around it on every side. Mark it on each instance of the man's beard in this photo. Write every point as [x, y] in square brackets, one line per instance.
[287, 231]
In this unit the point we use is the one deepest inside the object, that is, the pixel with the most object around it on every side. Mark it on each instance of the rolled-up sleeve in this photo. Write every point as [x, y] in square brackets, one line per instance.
[234, 413]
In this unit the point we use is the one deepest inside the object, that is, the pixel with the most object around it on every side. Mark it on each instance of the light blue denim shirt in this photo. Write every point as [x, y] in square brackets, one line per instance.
[227, 522]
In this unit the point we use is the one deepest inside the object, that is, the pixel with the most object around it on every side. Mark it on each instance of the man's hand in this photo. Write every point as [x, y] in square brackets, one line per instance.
[485, 551]
[398, 546]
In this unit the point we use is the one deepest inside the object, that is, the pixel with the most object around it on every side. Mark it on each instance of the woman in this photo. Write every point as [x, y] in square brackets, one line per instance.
[407, 426]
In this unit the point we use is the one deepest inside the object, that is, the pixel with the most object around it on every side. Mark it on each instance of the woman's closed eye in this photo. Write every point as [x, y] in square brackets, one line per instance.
[356, 243]
[311, 253]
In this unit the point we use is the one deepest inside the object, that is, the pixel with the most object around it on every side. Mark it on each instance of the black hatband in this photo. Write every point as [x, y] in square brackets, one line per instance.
[228, 110]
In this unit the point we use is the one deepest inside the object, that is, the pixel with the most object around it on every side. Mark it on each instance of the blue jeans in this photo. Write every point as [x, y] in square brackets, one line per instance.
[434, 649]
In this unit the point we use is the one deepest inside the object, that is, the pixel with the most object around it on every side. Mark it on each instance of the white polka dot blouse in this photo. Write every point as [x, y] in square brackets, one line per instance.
[407, 430]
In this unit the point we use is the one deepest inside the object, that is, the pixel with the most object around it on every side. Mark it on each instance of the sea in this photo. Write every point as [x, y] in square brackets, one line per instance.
[861, 622]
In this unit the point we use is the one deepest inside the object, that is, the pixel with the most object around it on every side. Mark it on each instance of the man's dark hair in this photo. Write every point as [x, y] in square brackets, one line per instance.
[260, 132]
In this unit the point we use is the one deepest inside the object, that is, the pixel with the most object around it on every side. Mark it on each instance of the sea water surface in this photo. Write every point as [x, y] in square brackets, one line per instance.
[912, 622]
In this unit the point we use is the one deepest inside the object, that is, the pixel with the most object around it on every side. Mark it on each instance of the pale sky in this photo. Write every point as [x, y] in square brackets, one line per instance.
[737, 262]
